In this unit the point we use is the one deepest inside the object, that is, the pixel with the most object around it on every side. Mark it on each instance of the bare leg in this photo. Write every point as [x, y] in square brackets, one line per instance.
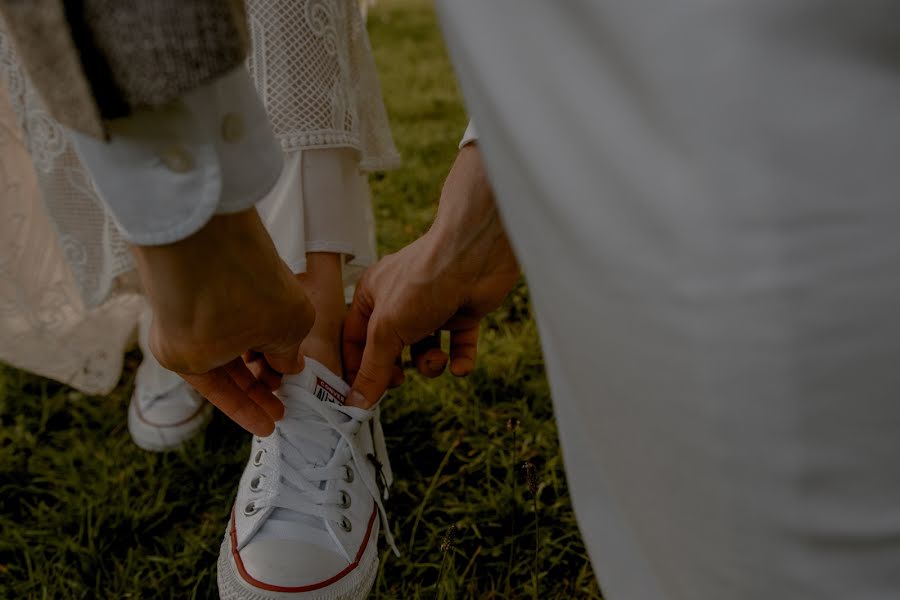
[323, 284]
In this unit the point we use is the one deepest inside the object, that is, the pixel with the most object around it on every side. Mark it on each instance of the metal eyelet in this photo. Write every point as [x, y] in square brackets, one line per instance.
[250, 509]
[254, 483]
[346, 525]
[348, 474]
[345, 500]
[257, 458]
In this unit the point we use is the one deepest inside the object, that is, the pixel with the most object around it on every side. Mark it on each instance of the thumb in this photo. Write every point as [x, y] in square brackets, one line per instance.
[377, 366]
[354, 334]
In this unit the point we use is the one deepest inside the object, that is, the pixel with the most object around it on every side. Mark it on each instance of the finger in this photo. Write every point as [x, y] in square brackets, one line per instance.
[377, 366]
[428, 357]
[287, 362]
[463, 348]
[258, 391]
[261, 369]
[218, 387]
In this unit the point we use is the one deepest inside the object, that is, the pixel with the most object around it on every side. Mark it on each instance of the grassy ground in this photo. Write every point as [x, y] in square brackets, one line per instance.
[86, 514]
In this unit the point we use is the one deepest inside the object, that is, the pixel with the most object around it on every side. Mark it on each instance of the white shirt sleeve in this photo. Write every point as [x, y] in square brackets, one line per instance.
[470, 136]
[165, 172]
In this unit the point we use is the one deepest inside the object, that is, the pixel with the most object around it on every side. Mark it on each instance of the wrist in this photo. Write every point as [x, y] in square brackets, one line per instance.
[185, 281]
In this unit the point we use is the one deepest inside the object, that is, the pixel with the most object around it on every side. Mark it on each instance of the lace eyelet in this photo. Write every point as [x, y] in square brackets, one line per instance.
[348, 474]
[257, 458]
[250, 509]
[345, 500]
[346, 525]
[254, 483]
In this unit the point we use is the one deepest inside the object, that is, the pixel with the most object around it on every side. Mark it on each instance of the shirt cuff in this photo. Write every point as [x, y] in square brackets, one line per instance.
[470, 136]
[165, 172]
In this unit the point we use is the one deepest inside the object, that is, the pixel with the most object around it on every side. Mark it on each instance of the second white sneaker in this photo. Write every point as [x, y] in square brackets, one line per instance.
[308, 511]
[165, 411]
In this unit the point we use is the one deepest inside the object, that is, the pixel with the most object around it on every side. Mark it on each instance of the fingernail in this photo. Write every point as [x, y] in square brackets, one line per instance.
[356, 399]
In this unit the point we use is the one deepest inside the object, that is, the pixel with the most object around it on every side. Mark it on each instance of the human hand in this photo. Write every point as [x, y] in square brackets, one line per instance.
[448, 279]
[221, 294]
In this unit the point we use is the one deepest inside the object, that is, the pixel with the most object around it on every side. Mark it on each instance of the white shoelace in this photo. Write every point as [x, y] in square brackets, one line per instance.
[315, 442]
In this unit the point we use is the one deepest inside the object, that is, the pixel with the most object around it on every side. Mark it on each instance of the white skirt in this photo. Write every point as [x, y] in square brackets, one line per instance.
[321, 203]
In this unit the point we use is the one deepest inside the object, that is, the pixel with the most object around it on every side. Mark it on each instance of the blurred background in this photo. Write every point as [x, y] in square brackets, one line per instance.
[479, 504]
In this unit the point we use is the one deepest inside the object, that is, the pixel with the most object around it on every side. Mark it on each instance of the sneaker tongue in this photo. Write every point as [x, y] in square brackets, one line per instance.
[317, 380]
[322, 383]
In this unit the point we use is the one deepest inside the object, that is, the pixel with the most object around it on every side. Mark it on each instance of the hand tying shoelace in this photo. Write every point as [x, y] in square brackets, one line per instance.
[304, 521]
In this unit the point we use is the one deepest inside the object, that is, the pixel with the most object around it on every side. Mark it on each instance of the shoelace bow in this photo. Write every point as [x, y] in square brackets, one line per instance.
[299, 487]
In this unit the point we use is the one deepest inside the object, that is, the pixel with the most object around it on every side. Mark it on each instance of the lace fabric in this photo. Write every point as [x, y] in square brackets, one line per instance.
[69, 301]
[313, 66]
[45, 326]
[91, 245]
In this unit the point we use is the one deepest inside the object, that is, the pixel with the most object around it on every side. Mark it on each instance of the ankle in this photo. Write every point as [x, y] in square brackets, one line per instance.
[324, 353]
[324, 287]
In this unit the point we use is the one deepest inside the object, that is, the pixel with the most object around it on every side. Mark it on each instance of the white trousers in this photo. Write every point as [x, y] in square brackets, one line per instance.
[705, 197]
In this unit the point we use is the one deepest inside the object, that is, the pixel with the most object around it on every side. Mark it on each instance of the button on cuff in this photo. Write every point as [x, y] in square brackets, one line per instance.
[177, 158]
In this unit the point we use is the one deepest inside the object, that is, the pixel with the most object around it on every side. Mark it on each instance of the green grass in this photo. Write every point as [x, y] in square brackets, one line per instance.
[86, 514]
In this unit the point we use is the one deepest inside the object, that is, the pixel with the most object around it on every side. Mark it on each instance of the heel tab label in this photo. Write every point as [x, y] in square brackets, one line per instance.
[327, 393]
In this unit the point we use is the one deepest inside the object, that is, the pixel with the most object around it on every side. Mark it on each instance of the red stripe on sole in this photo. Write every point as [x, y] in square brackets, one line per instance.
[303, 588]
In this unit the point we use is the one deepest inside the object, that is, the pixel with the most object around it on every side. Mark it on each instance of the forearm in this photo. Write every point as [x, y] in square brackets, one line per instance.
[467, 237]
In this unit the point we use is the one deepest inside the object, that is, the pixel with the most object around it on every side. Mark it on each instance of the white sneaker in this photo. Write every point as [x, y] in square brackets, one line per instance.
[165, 411]
[309, 506]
